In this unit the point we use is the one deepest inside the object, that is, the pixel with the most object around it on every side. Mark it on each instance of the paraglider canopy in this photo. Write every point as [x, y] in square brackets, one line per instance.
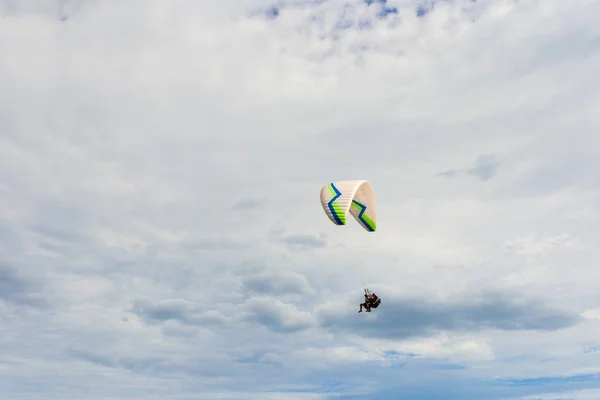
[356, 196]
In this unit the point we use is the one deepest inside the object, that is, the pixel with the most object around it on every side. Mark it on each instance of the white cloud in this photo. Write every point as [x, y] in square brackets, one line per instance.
[169, 155]
[589, 394]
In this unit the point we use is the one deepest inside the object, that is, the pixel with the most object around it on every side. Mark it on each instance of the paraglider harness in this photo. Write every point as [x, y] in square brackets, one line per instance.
[370, 303]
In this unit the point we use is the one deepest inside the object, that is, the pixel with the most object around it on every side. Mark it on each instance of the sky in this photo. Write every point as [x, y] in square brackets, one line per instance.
[161, 235]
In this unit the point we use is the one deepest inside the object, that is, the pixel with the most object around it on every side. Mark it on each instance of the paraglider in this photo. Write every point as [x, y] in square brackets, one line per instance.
[357, 197]
[371, 301]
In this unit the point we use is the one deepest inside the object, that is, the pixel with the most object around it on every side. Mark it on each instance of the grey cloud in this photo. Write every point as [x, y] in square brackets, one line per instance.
[162, 310]
[11, 286]
[17, 289]
[213, 243]
[484, 168]
[59, 10]
[55, 233]
[249, 204]
[449, 173]
[399, 317]
[276, 282]
[11, 243]
[58, 226]
[139, 363]
[178, 310]
[91, 357]
[302, 241]
[277, 316]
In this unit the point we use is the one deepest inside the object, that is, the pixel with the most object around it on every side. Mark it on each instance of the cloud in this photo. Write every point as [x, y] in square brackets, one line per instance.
[249, 204]
[178, 310]
[583, 394]
[484, 168]
[299, 241]
[214, 243]
[276, 282]
[160, 224]
[403, 317]
[277, 316]
[304, 241]
[18, 289]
